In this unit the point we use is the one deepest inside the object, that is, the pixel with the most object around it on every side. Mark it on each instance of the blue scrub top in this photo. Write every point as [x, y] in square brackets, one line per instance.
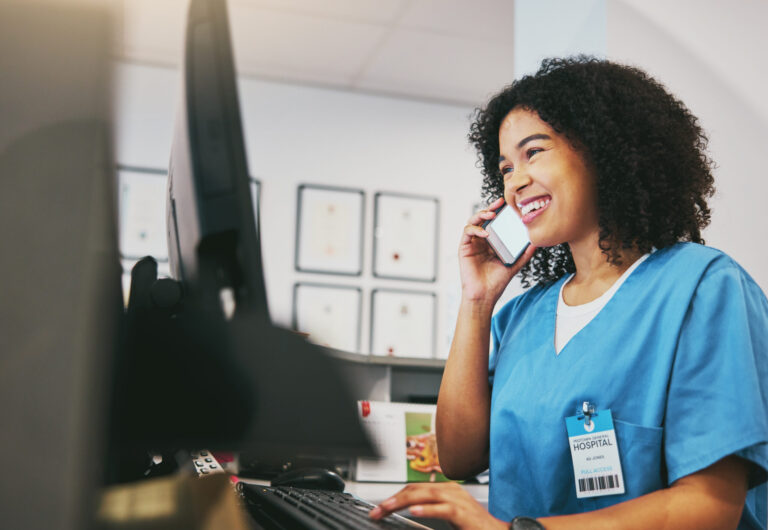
[679, 355]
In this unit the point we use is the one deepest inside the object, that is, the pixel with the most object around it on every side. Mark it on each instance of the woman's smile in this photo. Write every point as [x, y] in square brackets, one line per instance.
[533, 207]
[542, 171]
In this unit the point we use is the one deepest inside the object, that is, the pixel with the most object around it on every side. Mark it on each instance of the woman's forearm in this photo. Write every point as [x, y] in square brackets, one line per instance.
[709, 499]
[463, 411]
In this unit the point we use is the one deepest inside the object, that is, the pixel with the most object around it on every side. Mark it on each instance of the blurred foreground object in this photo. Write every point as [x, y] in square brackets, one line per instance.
[180, 502]
[59, 270]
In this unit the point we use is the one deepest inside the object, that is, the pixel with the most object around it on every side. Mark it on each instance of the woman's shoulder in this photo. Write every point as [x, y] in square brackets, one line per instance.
[529, 298]
[687, 252]
[696, 262]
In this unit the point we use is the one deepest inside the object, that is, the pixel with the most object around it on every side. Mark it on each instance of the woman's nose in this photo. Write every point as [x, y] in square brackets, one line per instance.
[516, 182]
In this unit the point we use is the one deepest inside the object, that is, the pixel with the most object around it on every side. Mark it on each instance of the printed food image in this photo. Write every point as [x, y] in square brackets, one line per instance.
[422, 453]
[421, 449]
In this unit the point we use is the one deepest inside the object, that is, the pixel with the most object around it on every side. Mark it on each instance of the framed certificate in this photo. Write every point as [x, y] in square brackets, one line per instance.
[330, 314]
[405, 237]
[403, 323]
[329, 230]
[142, 213]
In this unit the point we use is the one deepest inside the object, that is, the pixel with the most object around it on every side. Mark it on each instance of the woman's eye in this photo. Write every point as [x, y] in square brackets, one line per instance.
[507, 169]
[533, 150]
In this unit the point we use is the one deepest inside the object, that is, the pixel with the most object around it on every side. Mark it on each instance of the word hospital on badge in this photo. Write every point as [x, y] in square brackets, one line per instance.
[595, 455]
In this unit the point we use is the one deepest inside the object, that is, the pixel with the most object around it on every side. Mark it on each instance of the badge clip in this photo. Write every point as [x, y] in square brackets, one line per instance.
[587, 411]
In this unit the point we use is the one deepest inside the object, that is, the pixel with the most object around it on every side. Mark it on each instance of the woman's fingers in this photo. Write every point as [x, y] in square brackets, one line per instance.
[447, 501]
[479, 218]
[496, 204]
[486, 214]
[433, 511]
[474, 230]
[465, 516]
[470, 232]
[416, 494]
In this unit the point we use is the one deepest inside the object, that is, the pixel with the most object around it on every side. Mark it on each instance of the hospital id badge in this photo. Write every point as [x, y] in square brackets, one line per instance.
[595, 455]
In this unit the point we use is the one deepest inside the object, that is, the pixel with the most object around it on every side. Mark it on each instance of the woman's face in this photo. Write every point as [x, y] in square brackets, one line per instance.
[546, 181]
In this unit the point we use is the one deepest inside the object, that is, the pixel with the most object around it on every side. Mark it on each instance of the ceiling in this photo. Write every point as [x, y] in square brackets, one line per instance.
[454, 51]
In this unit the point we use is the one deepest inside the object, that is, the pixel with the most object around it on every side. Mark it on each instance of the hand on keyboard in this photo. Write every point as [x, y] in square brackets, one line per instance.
[448, 501]
[297, 508]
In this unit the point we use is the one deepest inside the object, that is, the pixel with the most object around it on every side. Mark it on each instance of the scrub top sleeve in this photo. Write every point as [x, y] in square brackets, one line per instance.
[499, 323]
[717, 403]
[495, 341]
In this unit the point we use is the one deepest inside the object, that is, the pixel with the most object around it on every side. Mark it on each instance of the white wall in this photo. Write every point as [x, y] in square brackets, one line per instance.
[706, 52]
[298, 134]
[556, 28]
[711, 55]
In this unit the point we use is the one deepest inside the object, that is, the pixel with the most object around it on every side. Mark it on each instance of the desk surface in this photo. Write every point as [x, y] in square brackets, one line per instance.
[375, 492]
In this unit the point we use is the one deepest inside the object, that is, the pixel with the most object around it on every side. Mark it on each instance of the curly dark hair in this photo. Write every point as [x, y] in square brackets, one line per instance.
[647, 150]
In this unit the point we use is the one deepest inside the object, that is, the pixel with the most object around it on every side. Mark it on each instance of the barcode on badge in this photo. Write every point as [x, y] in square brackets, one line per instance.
[601, 482]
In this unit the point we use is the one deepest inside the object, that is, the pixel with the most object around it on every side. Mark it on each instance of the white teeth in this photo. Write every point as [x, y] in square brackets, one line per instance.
[534, 205]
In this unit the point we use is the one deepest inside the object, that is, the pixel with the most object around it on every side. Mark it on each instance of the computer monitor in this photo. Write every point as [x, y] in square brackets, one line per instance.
[272, 392]
[213, 241]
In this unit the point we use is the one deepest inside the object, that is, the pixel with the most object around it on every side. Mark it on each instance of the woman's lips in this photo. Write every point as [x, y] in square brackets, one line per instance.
[530, 216]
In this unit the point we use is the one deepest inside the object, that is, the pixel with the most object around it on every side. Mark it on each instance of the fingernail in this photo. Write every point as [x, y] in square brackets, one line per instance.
[376, 512]
[416, 510]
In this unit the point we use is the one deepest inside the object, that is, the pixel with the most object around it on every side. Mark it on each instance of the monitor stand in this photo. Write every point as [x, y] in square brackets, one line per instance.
[188, 378]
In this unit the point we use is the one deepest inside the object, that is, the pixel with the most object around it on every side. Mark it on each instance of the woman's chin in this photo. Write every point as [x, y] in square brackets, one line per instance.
[540, 241]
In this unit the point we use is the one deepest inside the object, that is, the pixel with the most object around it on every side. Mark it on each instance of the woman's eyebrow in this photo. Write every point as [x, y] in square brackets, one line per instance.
[538, 136]
[521, 143]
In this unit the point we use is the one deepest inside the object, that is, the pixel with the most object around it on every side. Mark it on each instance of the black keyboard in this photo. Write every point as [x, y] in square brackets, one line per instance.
[295, 508]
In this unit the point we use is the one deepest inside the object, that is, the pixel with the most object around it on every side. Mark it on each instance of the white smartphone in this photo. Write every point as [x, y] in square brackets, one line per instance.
[507, 235]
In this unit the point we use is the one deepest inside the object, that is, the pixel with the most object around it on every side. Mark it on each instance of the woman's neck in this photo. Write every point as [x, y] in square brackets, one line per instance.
[594, 274]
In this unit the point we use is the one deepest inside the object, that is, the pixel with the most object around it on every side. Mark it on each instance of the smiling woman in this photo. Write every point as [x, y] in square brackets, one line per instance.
[648, 347]
[652, 173]
[547, 181]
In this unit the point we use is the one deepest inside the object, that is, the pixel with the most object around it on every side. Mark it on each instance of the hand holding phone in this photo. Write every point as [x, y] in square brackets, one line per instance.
[507, 235]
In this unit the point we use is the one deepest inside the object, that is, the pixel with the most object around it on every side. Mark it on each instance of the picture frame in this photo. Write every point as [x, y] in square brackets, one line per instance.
[142, 198]
[329, 230]
[403, 323]
[330, 314]
[405, 237]
[142, 213]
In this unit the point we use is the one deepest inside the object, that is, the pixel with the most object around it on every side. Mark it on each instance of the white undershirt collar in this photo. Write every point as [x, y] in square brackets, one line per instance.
[572, 319]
